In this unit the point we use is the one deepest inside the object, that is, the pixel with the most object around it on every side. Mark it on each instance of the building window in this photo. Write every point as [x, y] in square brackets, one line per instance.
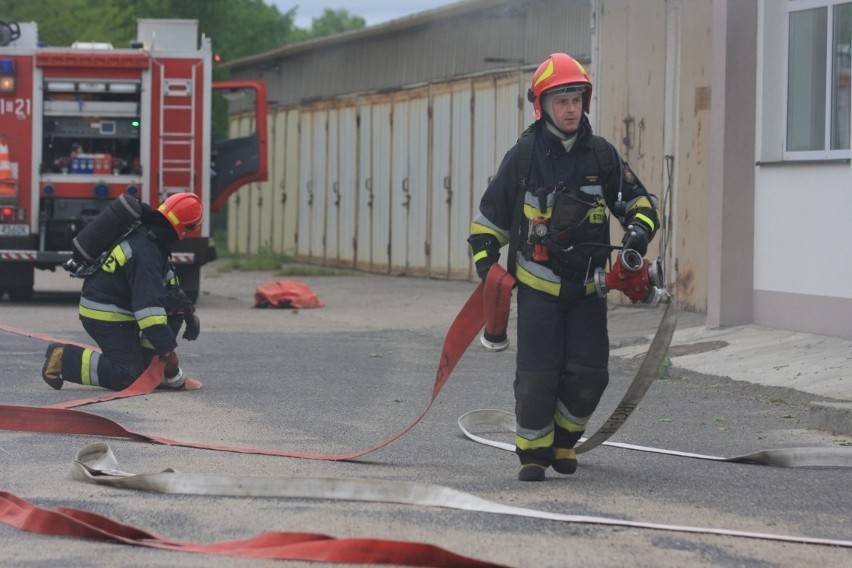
[818, 79]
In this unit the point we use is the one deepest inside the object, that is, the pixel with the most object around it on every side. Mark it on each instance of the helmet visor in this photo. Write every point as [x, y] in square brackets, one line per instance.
[566, 89]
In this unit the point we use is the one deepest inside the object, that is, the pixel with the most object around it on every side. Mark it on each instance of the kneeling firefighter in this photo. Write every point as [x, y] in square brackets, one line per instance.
[131, 303]
[549, 203]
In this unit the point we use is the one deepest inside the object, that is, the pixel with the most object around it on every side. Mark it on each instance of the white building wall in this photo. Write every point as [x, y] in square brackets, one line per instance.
[801, 275]
[802, 230]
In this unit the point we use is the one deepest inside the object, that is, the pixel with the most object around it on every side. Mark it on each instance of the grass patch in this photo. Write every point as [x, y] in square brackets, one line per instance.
[253, 262]
[664, 370]
[267, 260]
[311, 270]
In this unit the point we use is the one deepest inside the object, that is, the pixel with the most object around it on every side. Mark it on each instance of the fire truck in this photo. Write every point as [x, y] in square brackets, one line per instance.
[82, 125]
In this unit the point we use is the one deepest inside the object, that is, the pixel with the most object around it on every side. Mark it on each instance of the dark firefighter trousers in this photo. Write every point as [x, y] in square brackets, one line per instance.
[562, 368]
[122, 359]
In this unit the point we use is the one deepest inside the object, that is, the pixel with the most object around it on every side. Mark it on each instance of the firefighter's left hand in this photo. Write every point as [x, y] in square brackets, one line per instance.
[636, 238]
[193, 325]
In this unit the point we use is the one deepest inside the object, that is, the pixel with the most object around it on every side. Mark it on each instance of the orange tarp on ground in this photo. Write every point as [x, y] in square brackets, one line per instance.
[286, 294]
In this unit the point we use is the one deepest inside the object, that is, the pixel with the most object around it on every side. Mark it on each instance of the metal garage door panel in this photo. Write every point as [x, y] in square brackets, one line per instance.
[319, 138]
[291, 183]
[277, 165]
[255, 197]
[510, 119]
[306, 185]
[418, 195]
[266, 195]
[348, 183]
[441, 187]
[461, 206]
[409, 186]
[381, 174]
[363, 245]
[400, 205]
[485, 120]
[331, 238]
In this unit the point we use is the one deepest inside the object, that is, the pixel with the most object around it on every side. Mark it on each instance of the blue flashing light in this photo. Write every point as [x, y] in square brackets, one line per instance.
[49, 190]
[132, 189]
[7, 66]
[101, 190]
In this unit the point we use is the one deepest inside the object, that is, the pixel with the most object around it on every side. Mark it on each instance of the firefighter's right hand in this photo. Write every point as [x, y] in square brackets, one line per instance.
[483, 265]
[193, 325]
[172, 363]
[486, 251]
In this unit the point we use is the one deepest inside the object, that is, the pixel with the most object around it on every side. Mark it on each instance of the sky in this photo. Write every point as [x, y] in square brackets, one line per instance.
[373, 11]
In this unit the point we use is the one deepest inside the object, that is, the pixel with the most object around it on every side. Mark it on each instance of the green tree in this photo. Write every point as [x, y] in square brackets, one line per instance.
[238, 28]
[61, 23]
[334, 22]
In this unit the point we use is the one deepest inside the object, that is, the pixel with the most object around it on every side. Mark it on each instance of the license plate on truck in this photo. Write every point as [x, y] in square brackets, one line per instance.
[14, 230]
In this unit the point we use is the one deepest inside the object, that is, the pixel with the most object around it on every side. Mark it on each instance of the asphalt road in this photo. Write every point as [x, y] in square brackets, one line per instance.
[355, 372]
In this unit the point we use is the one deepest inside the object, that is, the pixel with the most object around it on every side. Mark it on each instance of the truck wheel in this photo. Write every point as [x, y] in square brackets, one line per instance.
[24, 294]
[189, 276]
[18, 280]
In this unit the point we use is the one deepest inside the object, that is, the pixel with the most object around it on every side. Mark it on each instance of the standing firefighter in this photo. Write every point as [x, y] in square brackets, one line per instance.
[549, 202]
[132, 306]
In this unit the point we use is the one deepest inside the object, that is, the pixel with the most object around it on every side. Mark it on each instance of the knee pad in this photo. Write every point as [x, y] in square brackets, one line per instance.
[582, 389]
[535, 397]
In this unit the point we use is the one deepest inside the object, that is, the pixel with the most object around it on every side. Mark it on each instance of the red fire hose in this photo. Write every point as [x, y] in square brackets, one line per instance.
[59, 419]
[62, 521]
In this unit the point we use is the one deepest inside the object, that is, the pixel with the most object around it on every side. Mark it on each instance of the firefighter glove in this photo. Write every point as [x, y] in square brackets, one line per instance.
[177, 301]
[636, 238]
[486, 251]
[193, 325]
[172, 363]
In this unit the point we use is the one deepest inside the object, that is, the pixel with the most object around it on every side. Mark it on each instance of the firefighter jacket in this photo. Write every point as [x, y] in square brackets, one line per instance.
[566, 196]
[130, 287]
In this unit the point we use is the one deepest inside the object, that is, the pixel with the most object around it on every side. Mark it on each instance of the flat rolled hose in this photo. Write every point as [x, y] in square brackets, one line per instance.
[497, 301]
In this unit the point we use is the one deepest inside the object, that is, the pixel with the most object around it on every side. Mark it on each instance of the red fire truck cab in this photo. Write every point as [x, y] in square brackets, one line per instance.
[81, 125]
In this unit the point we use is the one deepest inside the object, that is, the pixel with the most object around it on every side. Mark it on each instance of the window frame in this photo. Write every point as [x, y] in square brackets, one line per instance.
[826, 153]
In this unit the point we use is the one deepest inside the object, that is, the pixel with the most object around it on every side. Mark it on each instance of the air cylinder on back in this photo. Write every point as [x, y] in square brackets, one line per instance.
[106, 228]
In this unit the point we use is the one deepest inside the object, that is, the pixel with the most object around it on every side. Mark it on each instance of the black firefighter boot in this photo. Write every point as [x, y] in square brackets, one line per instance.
[52, 370]
[564, 460]
[531, 472]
